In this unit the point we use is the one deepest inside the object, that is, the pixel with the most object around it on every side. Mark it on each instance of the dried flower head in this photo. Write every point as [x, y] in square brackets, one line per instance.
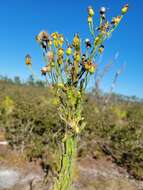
[46, 69]
[87, 43]
[50, 56]
[42, 36]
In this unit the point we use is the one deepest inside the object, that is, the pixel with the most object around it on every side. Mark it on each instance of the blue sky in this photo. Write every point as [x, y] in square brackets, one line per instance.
[21, 20]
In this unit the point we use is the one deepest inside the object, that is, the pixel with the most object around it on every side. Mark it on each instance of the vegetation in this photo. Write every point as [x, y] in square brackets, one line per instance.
[32, 126]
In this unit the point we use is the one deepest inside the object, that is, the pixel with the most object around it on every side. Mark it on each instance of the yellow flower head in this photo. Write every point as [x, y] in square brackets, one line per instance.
[28, 60]
[60, 61]
[90, 11]
[88, 65]
[60, 52]
[76, 41]
[116, 20]
[55, 35]
[56, 43]
[61, 40]
[125, 9]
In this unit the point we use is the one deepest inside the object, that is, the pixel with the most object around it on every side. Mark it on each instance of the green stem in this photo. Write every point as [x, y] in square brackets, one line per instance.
[64, 181]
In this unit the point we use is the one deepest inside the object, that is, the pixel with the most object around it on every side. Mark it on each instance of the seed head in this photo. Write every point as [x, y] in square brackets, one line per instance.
[87, 43]
[102, 10]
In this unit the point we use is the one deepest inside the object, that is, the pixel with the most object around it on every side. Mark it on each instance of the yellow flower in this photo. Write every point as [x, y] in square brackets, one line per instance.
[56, 43]
[60, 52]
[55, 35]
[61, 40]
[87, 65]
[125, 9]
[60, 61]
[69, 51]
[90, 11]
[116, 20]
[76, 42]
[28, 60]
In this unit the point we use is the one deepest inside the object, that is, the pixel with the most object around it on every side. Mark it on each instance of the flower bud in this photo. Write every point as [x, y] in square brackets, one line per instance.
[125, 9]
[69, 51]
[92, 69]
[101, 49]
[55, 35]
[90, 11]
[89, 19]
[28, 60]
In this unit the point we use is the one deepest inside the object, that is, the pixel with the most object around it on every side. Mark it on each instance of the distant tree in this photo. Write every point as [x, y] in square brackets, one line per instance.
[17, 80]
[31, 81]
